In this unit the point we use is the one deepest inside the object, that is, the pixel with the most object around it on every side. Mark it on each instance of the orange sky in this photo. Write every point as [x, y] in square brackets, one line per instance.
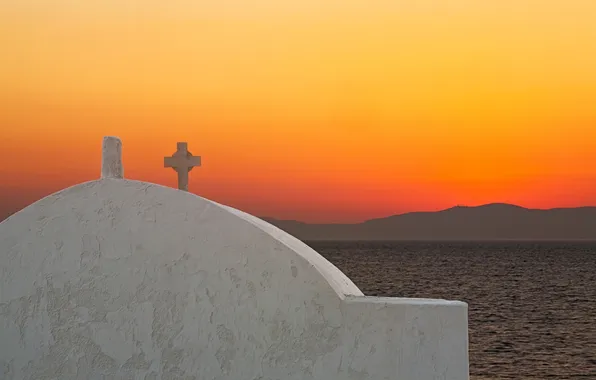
[316, 110]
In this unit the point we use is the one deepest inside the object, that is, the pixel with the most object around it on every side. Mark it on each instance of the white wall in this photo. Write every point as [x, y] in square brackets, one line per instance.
[127, 280]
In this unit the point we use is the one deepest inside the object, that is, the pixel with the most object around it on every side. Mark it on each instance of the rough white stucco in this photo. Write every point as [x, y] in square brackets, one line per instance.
[111, 158]
[119, 279]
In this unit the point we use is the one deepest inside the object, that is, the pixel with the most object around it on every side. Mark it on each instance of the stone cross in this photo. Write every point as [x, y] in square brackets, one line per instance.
[182, 162]
[111, 158]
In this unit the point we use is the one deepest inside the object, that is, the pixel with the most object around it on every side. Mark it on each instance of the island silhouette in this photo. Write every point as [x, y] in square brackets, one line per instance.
[490, 222]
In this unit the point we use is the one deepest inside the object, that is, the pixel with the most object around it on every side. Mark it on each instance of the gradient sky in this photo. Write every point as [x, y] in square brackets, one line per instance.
[315, 110]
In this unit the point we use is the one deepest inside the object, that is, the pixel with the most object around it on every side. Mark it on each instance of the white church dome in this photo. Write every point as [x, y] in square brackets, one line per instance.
[122, 279]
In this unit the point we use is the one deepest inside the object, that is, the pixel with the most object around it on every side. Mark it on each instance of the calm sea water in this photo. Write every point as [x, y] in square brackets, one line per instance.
[532, 306]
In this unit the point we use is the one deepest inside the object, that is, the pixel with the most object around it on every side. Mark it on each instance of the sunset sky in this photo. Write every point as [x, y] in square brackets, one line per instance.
[314, 110]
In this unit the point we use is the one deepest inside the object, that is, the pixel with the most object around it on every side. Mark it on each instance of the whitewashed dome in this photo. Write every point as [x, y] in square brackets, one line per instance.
[124, 279]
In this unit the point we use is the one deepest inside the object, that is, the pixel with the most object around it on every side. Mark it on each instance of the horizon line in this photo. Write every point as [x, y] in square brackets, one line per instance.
[268, 218]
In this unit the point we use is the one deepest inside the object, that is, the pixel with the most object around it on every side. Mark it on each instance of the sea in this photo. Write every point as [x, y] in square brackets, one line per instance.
[532, 305]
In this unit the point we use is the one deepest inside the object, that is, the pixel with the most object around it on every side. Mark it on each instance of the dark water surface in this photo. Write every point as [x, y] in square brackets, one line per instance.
[532, 306]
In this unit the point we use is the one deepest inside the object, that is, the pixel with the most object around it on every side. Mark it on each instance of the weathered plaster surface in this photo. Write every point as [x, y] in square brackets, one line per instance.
[117, 279]
[111, 158]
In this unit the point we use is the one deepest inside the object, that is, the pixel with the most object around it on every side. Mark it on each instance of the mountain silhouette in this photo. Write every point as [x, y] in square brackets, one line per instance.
[495, 221]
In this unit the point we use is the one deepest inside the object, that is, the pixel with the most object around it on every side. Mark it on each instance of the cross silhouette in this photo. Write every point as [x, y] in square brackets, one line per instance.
[182, 162]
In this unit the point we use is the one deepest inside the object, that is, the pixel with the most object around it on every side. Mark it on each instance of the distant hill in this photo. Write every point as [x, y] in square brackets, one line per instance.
[495, 221]
[489, 222]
